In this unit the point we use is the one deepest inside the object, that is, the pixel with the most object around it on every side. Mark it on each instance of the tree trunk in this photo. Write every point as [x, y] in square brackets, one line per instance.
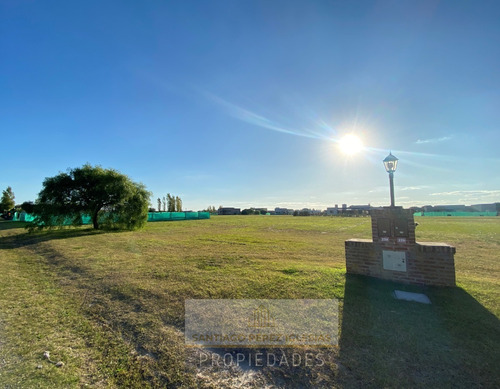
[95, 222]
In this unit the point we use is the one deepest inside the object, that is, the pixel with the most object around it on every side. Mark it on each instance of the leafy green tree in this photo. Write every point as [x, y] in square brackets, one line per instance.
[28, 207]
[7, 201]
[178, 204]
[170, 203]
[159, 204]
[211, 209]
[110, 198]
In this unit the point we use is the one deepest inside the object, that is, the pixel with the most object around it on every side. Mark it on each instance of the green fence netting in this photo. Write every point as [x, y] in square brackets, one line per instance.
[25, 217]
[152, 217]
[455, 214]
[166, 216]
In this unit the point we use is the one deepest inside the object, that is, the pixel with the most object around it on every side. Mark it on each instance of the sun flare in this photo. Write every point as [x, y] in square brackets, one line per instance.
[350, 144]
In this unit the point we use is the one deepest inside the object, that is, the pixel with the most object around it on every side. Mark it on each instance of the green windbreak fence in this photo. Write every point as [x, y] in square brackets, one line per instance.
[455, 214]
[25, 217]
[152, 217]
[166, 216]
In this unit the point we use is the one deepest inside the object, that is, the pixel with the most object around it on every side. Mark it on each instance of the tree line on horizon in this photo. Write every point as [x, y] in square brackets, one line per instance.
[169, 203]
[211, 209]
[111, 199]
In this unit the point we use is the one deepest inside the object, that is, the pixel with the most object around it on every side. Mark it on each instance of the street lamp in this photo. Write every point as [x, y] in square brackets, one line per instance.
[390, 163]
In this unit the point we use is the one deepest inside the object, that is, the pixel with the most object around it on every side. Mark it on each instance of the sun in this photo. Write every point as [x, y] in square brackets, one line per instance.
[350, 144]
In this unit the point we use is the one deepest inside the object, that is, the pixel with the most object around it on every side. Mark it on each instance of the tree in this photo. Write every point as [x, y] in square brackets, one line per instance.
[159, 204]
[211, 209]
[164, 204]
[170, 203]
[7, 201]
[110, 198]
[178, 204]
[28, 207]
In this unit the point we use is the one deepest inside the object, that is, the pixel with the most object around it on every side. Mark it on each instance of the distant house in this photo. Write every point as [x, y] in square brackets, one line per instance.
[332, 211]
[283, 211]
[228, 211]
[360, 207]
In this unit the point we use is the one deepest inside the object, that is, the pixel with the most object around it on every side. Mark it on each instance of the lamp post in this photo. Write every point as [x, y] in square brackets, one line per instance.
[390, 163]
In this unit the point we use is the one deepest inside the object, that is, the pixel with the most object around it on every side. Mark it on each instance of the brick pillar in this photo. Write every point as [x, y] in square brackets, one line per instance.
[393, 253]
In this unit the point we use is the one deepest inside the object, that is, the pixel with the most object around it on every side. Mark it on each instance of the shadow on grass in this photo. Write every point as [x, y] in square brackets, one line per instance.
[9, 225]
[392, 343]
[31, 238]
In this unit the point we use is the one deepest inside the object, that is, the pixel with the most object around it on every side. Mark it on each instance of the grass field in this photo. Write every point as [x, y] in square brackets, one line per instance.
[111, 305]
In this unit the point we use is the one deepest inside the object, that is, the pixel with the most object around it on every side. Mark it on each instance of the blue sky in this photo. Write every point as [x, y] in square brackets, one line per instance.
[242, 103]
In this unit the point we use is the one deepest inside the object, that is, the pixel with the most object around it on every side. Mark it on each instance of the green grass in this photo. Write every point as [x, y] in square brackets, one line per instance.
[111, 305]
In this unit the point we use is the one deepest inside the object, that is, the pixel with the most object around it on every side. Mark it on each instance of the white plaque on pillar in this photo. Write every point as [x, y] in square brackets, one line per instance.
[394, 260]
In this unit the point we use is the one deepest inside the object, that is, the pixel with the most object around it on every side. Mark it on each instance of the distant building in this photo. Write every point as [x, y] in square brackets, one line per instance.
[450, 208]
[445, 208]
[355, 210]
[360, 207]
[484, 207]
[345, 210]
[228, 211]
[332, 211]
[283, 211]
[461, 208]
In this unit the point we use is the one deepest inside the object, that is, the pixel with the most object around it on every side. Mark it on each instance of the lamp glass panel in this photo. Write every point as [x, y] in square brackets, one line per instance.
[390, 166]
